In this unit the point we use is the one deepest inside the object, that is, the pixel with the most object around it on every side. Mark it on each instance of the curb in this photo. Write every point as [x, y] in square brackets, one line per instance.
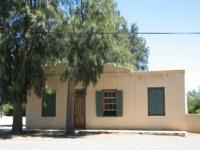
[143, 132]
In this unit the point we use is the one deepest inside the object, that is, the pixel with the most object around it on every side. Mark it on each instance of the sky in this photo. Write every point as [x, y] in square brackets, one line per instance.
[168, 52]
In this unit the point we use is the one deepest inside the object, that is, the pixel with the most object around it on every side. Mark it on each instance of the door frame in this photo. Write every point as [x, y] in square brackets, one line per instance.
[80, 93]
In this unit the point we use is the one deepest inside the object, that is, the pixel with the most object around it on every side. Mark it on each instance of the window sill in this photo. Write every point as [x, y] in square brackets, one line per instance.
[48, 116]
[156, 115]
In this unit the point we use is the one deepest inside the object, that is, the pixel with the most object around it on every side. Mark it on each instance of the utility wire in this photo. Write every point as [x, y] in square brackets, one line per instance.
[144, 33]
[128, 33]
[115, 33]
[186, 33]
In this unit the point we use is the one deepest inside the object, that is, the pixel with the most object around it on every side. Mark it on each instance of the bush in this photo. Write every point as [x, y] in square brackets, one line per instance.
[194, 106]
[7, 109]
[193, 102]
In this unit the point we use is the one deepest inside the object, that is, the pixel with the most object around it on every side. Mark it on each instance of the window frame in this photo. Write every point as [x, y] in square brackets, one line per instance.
[164, 111]
[114, 111]
[46, 92]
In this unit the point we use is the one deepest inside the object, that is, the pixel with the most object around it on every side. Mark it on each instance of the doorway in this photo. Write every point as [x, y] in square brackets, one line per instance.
[79, 110]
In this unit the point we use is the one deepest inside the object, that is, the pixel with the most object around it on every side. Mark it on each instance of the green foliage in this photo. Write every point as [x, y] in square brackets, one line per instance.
[86, 51]
[26, 46]
[139, 49]
[121, 47]
[29, 40]
[7, 109]
[88, 46]
[40, 32]
[193, 102]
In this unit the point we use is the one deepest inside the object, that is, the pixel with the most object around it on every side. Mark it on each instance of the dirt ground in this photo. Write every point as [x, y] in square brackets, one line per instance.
[103, 141]
[120, 141]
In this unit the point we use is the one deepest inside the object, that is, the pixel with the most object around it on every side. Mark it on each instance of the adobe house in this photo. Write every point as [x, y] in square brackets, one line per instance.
[121, 99]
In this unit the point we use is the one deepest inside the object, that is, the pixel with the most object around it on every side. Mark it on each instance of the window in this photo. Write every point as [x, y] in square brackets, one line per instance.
[109, 103]
[49, 104]
[80, 92]
[156, 101]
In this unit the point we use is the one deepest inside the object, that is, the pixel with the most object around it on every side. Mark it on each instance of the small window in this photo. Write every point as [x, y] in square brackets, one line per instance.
[156, 101]
[109, 103]
[49, 104]
[80, 92]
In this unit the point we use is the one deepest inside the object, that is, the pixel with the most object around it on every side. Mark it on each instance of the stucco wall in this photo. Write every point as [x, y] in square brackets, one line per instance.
[135, 102]
[193, 122]
[34, 119]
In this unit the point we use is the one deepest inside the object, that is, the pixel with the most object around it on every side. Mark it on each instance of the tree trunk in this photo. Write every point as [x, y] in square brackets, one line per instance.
[70, 107]
[17, 117]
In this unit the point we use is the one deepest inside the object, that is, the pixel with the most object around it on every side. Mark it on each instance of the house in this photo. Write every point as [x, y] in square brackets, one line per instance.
[122, 99]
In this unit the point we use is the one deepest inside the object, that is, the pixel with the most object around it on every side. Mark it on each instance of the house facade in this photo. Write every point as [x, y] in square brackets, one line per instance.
[121, 99]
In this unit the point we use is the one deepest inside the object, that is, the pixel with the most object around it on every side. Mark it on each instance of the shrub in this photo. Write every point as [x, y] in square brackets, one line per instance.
[193, 102]
[7, 109]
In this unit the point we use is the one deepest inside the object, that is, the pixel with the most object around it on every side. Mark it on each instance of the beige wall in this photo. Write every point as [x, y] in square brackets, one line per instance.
[135, 108]
[193, 122]
[34, 120]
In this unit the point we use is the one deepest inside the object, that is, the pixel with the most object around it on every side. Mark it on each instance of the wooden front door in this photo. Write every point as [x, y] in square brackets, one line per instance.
[79, 112]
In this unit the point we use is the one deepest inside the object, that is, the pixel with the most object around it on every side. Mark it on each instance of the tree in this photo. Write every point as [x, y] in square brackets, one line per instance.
[139, 49]
[28, 33]
[193, 98]
[121, 46]
[89, 45]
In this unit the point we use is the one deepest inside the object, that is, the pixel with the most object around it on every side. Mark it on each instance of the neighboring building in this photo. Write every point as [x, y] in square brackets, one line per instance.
[121, 99]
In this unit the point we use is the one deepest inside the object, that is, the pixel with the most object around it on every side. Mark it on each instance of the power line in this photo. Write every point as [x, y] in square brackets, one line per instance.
[177, 33]
[117, 33]
[142, 33]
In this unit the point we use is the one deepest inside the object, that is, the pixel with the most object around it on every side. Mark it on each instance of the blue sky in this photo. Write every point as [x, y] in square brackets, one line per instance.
[168, 52]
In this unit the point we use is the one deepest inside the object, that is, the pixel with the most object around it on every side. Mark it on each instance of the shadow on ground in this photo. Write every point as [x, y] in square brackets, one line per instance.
[7, 134]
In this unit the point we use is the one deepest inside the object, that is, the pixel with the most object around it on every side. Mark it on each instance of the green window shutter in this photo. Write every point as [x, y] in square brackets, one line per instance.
[49, 104]
[156, 102]
[99, 103]
[119, 102]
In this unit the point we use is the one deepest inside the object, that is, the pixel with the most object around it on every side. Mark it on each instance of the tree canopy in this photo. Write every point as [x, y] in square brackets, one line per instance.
[89, 46]
[139, 50]
[25, 47]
